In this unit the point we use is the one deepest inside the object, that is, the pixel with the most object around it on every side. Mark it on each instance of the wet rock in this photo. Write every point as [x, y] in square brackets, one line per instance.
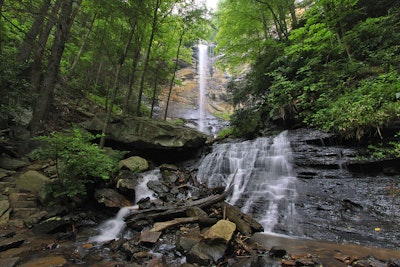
[45, 261]
[127, 187]
[206, 254]
[9, 262]
[80, 252]
[110, 198]
[168, 167]
[5, 218]
[131, 247]
[10, 243]
[158, 187]
[52, 226]
[187, 239]
[221, 231]
[11, 164]
[393, 263]
[169, 177]
[277, 252]
[134, 164]
[31, 181]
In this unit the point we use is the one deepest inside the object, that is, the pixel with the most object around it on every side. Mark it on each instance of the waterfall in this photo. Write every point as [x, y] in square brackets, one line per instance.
[114, 227]
[202, 72]
[262, 176]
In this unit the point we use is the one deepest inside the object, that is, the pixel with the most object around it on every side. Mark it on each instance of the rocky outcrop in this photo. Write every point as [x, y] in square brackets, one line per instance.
[151, 138]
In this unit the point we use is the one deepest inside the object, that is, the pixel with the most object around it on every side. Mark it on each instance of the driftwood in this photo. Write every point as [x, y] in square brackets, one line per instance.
[170, 212]
[244, 223]
[159, 226]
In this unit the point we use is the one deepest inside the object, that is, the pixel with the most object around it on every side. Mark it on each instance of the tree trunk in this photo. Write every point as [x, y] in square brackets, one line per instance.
[127, 109]
[153, 98]
[146, 62]
[45, 99]
[1, 26]
[78, 56]
[36, 68]
[115, 86]
[27, 44]
[171, 85]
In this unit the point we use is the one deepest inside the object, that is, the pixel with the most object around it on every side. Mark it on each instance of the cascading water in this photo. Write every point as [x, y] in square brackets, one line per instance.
[114, 227]
[262, 176]
[202, 72]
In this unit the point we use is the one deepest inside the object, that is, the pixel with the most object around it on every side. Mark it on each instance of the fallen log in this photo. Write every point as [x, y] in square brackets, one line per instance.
[244, 223]
[170, 212]
[159, 226]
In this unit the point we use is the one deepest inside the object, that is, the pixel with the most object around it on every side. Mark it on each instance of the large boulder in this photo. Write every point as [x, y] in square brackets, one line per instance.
[144, 133]
[31, 181]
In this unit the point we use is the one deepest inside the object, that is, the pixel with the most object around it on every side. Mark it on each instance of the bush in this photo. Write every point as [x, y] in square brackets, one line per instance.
[77, 160]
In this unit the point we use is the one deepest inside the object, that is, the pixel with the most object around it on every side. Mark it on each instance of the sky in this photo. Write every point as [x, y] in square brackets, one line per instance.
[212, 4]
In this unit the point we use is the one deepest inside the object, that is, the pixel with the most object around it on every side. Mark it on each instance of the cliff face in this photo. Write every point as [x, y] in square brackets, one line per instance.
[184, 101]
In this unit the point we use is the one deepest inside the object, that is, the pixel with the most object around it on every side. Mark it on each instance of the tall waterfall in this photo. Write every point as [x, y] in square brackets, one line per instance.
[202, 72]
[262, 176]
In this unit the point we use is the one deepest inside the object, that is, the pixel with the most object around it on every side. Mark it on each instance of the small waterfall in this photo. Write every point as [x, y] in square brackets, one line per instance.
[262, 176]
[114, 227]
[202, 72]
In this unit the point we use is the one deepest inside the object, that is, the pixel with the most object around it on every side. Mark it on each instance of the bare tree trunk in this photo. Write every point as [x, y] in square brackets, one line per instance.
[1, 25]
[171, 85]
[146, 62]
[115, 87]
[153, 98]
[27, 44]
[78, 56]
[127, 109]
[45, 99]
[36, 68]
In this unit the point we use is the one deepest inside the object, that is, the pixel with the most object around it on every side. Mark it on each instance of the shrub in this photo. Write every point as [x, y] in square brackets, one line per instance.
[77, 160]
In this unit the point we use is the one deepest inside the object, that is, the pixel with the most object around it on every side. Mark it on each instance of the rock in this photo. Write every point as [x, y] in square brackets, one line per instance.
[9, 262]
[127, 187]
[144, 133]
[5, 218]
[157, 186]
[196, 212]
[221, 231]
[277, 252]
[4, 173]
[185, 242]
[393, 263]
[10, 243]
[134, 164]
[168, 167]
[149, 237]
[4, 206]
[31, 181]
[169, 177]
[45, 262]
[11, 164]
[52, 226]
[111, 198]
[206, 254]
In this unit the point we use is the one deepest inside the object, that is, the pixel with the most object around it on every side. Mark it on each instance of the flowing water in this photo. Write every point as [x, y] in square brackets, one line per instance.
[114, 227]
[202, 72]
[261, 175]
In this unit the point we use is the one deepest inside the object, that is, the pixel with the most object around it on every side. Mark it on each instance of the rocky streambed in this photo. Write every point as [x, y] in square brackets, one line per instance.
[183, 223]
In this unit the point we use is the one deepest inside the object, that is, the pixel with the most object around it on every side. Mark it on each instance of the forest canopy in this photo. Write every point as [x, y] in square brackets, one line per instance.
[330, 64]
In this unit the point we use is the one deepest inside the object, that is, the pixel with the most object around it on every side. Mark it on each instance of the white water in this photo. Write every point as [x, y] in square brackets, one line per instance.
[114, 227]
[262, 176]
[202, 72]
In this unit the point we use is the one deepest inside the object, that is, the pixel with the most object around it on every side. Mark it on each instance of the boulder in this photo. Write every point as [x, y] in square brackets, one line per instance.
[31, 181]
[206, 254]
[10, 163]
[144, 133]
[221, 231]
[111, 198]
[4, 206]
[134, 164]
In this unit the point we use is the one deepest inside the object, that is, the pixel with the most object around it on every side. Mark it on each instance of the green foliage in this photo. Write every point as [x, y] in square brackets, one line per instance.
[78, 162]
[246, 122]
[225, 133]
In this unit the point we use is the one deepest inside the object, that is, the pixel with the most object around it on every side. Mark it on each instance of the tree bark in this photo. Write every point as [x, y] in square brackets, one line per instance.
[146, 62]
[78, 56]
[46, 95]
[36, 68]
[27, 45]
[115, 86]
[171, 85]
